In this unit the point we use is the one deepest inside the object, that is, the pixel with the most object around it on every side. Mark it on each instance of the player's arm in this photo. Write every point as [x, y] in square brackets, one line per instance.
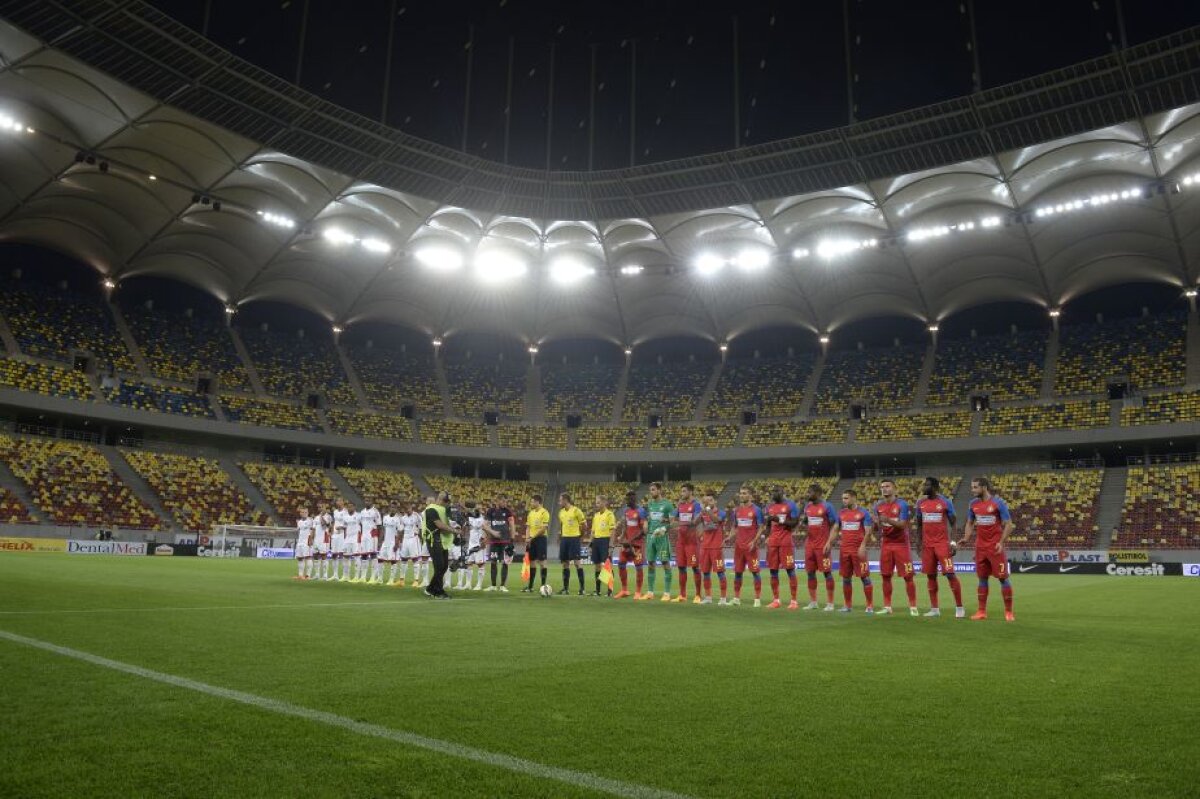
[835, 527]
[1006, 531]
[793, 517]
[868, 536]
[901, 520]
[968, 530]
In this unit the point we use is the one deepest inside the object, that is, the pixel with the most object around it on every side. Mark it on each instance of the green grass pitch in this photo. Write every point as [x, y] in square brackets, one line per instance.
[1092, 692]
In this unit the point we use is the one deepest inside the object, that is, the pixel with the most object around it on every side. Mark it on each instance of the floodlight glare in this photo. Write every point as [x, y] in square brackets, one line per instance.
[337, 236]
[376, 245]
[709, 264]
[439, 258]
[800, 252]
[632, 269]
[753, 259]
[566, 271]
[498, 267]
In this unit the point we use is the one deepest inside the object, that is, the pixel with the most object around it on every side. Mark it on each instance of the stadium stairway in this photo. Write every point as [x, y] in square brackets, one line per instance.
[729, 493]
[535, 401]
[976, 424]
[619, 397]
[439, 369]
[17, 489]
[131, 344]
[922, 390]
[247, 487]
[247, 362]
[810, 388]
[1050, 368]
[962, 498]
[359, 395]
[324, 420]
[1192, 373]
[707, 395]
[422, 484]
[7, 338]
[1112, 501]
[345, 490]
[138, 485]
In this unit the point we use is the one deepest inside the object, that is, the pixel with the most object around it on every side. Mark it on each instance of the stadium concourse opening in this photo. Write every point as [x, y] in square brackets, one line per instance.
[441, 346]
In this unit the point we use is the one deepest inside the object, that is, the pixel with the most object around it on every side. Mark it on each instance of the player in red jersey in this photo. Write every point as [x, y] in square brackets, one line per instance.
[892, 516]
[747, 521]
[712, 548]
[687, 545]
[990, 520]
[935, 520]
[633, 544]
[820, 520]
[783, 516]
[854, 528]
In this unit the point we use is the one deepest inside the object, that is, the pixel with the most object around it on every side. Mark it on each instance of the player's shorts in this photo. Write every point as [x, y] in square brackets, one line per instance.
[935, 555]
[320, 547]
[745, 558]
[854, 566]
[569, 548]
[303, 551]
[658, 549]
[367, 545]
[350, 548]
[338, 545]
[989, 563]
[410, 549]
[501, 553]
[387, 550]
[896, 557]
[816, 559]
[712, 559]
[599, 550]
[479, 556]
[687, 554]
[781, 556]
[634, 553]
[537, 548]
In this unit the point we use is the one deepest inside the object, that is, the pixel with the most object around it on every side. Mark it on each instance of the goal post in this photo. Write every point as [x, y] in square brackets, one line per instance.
[228, 539]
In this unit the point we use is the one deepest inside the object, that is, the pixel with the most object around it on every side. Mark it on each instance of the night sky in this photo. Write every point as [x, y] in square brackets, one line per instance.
[792, 63]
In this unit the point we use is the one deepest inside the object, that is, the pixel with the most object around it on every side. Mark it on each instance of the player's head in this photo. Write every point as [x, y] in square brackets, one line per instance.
[888, 488]
[708, 500]
[602, 501]
[777, 493]
[931, 487]
[631, 499]
[815, 492]
[564, 500]
[655, 490]
[981, 487]
[744, 495]
[303, 512]
[442, 498]
[535, 501]
[350, 507]
[686, 490]
[849, 497]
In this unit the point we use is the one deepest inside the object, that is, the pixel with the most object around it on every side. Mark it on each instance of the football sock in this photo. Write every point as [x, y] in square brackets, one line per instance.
[503, 574]
[933, 591]
[567, 578]
[910, 589]
[579, 574]
[829, 586]
[956, 587]
[848, 591]
[869, 590]
[624, 578]
[737, 585]
[640, 574]
[683, 582]
[722, 581]
[981, 594]
[300, 567]
[707, 585]
[653, 578]
[1006, 594]
[791, 573]
[494, 566]
[757, 585]
[666, 580]
[544, 572]
[812, 586]
[775, 584]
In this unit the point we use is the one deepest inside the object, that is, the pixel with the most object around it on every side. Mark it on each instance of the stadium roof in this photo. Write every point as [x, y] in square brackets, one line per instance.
[126, 132]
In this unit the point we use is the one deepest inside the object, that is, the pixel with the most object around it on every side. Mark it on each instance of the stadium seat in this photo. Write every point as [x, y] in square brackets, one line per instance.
[584, 494]
[382, 487]
[195, 490]
[907, 487]
[585, 389]
[1051, 509]
[885, 378]
[50, 323]
[1183, 406]
[476, 388]
[1013, 421]
[1149, 350]
[459, 434]
[952, 424]
[269, 413]
[288, 488]
[1007, 367]
[796, 434]
[772, 386]
[529, 437]
[12, 510]
[40, 378]
[593, 438]
[178, 347]
[1161, 509]
[72, 484]
[483, 490]
[365, 424]
[146, 397]
[391, 378]
[796, 488]
[671, 389]
[707, 436]
[289, 365]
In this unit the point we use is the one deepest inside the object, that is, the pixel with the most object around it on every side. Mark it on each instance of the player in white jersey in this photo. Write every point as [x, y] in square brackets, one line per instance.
[353, 534]
[368, 548]
[321, 525]
[412, 549]
[476, 550]
[388, 550]
[304, 534]
[337, 543]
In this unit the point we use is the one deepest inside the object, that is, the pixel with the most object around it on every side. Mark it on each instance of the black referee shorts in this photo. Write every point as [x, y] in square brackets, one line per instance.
[599, 550]
[569, 548]
[537, 548]
[500, 552]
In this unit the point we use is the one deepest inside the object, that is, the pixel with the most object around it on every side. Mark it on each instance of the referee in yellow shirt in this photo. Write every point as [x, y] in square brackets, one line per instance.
[537, 524]
[570, 527]
[604, 524]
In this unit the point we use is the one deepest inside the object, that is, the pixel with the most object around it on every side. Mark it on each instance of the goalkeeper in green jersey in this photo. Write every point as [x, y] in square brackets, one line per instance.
[658, 543]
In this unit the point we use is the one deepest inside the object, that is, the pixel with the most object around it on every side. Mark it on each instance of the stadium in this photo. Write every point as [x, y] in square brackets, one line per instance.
[807, 450]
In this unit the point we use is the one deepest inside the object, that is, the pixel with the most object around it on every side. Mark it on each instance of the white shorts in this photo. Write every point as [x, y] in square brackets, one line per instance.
[387, 552]
[478, 557]
[411, 549]
[320, 547]
[338, 546]
[367, 545]
[350, 548]
[303, 551]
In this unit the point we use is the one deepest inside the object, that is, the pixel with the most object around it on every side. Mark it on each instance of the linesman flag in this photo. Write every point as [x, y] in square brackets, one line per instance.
[606, 574]
[525, 570]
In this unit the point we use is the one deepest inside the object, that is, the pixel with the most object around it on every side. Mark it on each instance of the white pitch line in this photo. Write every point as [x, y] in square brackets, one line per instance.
[204, 607]
[581, 779]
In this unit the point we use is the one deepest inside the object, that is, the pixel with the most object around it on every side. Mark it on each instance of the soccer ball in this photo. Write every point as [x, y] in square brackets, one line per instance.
[546, 591]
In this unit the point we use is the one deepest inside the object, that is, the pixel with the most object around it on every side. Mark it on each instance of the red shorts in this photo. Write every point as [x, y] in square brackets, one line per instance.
[781, 556]
[712, 560]
[989, 563]
[854, 566]
[934, 555]
[687, 554]
[896, 557]
[816, 559]
[745, 558]
[634, 553]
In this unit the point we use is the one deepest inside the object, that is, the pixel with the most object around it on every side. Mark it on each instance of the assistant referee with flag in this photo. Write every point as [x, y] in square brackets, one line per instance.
[439, 537]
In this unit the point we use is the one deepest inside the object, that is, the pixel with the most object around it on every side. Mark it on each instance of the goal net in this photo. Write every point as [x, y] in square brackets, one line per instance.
[233, 540]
